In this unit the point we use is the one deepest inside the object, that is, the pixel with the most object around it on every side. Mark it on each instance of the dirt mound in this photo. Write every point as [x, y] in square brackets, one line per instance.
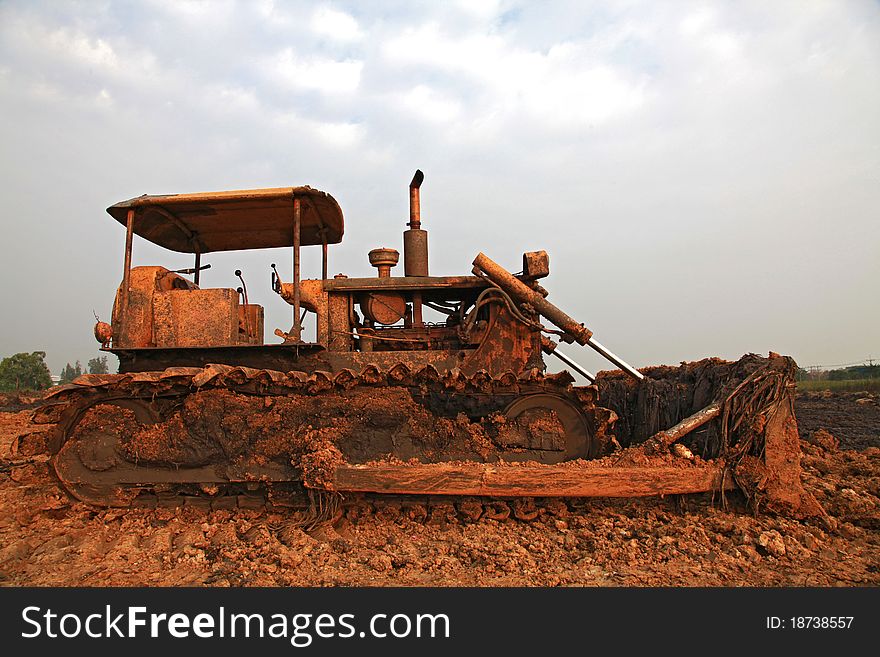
[669, 394]
[12, 402]
[752, 427]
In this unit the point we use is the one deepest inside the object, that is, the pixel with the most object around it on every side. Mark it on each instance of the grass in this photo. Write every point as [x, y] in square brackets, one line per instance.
[851, 385]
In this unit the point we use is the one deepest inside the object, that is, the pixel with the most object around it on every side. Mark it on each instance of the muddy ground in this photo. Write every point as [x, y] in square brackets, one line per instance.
[48, 539]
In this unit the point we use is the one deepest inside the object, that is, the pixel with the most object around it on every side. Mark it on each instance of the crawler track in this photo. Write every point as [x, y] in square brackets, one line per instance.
[223, 436]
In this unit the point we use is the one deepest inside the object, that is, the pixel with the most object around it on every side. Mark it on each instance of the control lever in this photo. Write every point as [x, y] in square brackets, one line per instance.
[190, 270]
[243, 288]
[276, 280]
[243, 292]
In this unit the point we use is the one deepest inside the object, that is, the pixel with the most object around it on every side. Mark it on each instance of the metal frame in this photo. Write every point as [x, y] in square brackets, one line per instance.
[296, 331]
[126, 272]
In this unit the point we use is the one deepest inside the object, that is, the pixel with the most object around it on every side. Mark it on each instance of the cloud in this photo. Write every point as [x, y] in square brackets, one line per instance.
[335, 24]
[483, 9]
[318, 73]
[565, 85]
[89, 52]
[196, 12]
[430, 104]
[661, 152]
[697, 21]
[339, 134]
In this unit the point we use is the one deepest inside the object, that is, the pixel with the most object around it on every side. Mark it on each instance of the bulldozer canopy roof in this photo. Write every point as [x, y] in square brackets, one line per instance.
[229, 221]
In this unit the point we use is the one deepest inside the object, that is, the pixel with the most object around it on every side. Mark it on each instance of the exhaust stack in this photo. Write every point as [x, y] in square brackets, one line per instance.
[415, 245]
[415, 240]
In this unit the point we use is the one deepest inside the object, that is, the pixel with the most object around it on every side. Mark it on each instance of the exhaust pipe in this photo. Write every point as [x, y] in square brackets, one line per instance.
[415, 240]
[415, 245]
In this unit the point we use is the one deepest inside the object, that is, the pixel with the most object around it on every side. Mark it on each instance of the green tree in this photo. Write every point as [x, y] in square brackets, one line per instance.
[870, 371]
[98, 365]
[69, 373]
[24, 372]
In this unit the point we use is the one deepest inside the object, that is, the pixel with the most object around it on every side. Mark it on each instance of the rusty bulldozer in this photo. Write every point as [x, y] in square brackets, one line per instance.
[386, 401]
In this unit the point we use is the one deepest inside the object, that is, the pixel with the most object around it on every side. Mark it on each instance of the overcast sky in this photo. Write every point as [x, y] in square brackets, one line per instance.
[705, 176]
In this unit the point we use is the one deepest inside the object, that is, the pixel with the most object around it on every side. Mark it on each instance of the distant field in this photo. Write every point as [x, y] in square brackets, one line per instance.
[853, 385]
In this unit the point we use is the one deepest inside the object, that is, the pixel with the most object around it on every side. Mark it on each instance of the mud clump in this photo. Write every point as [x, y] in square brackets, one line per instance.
[772, 543]
[752, 429]
[670, 394]
[824, 439]
[320, 459]
[14, 402]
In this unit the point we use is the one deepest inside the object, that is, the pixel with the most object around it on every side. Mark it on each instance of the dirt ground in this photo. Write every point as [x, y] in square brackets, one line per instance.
[48, 539]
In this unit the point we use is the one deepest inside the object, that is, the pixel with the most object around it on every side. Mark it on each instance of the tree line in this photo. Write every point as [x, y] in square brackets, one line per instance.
[95, 366]
[28, 371]
[855, 372]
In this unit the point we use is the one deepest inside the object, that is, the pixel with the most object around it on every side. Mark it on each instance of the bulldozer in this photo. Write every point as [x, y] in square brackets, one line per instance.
[413, 387]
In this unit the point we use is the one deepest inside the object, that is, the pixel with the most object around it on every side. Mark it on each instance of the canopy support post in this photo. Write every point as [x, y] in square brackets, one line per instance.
[197, 267]
[296, 331]
[126, 271]
[322, 232]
